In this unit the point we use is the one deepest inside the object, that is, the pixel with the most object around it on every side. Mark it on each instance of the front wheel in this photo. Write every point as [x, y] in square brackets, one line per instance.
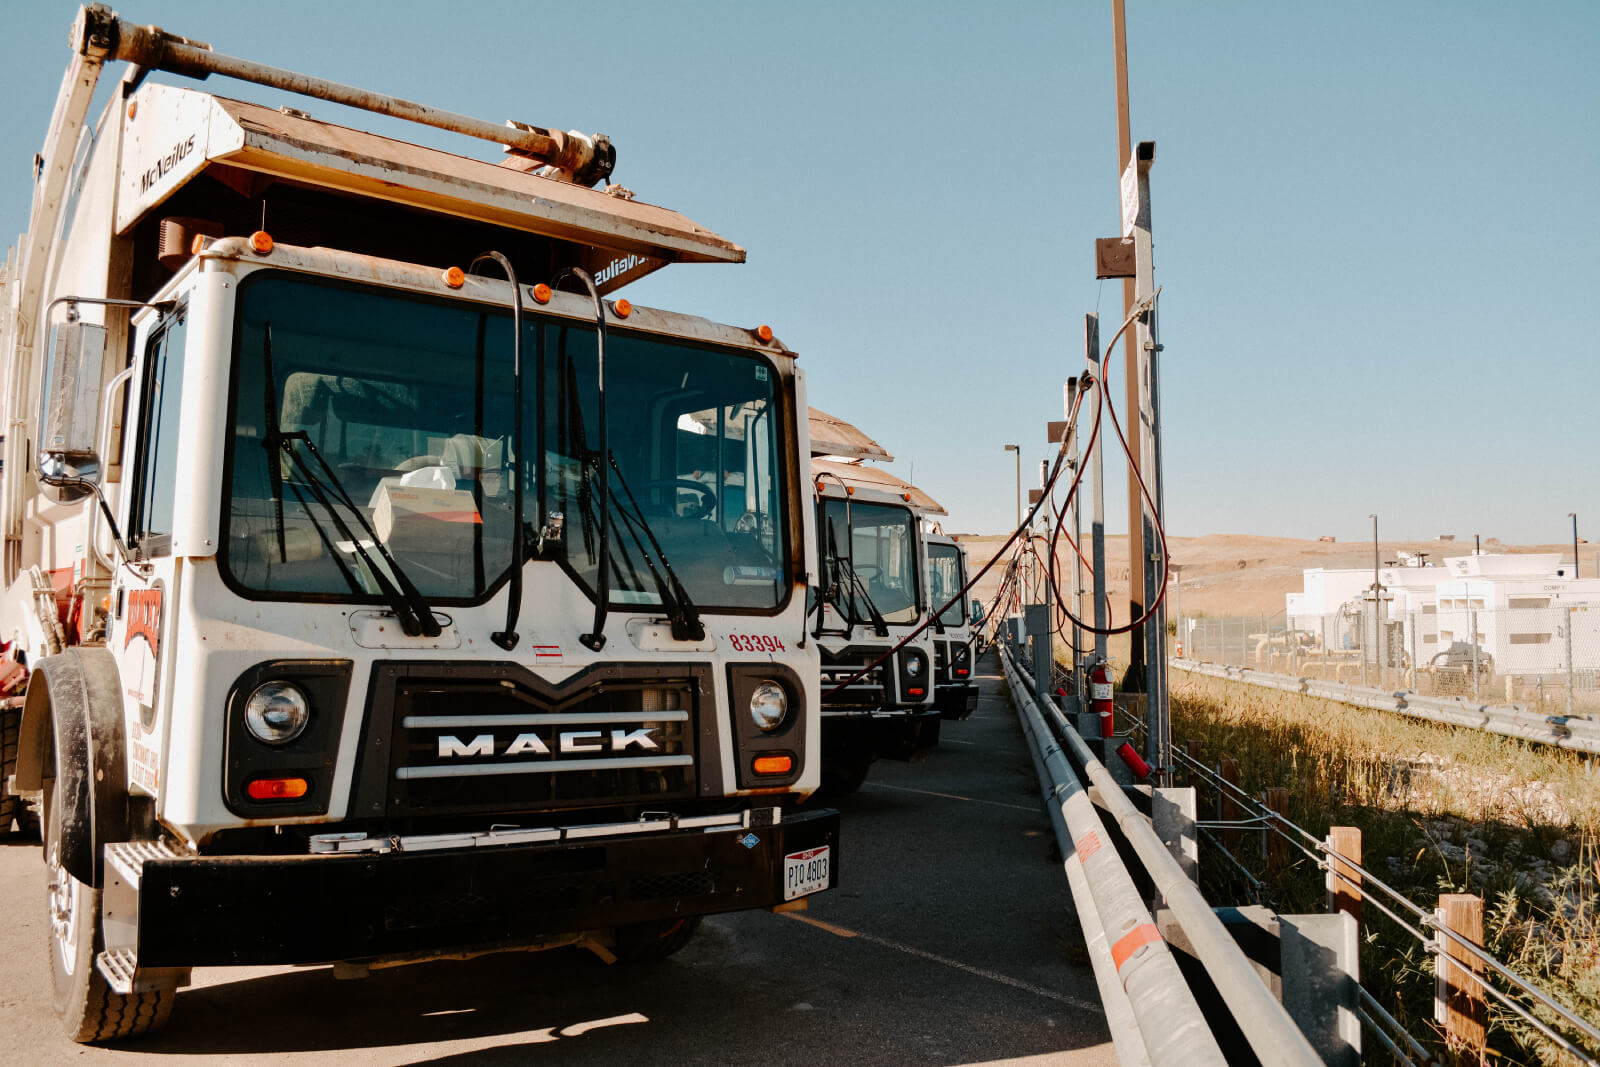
[89, 1008]
[650, 942]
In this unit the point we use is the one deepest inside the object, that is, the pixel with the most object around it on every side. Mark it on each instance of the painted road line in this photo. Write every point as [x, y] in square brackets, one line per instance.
[945, 961]
[868, 787]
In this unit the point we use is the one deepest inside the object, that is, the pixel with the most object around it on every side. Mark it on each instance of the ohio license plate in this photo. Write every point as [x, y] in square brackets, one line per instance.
[805, 872]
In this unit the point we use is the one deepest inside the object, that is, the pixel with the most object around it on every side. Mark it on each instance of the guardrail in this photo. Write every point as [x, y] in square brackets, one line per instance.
[1137, 974]
[1580, 734]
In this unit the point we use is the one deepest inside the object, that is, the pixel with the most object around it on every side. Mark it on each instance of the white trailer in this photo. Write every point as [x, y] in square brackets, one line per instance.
[339, 597]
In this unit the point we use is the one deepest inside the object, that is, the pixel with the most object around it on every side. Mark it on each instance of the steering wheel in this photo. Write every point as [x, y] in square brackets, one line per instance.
[705, 505]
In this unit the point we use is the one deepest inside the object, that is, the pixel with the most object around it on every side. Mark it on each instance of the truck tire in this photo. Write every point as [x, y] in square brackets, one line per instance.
[10, 731]
[844, 773]
[89, 1008]
[652, 942]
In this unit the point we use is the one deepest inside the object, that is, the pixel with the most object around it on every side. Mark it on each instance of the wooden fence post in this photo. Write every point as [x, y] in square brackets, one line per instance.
[1274, 847]
[1228, 803]
[1458, 998]
[1344, 843]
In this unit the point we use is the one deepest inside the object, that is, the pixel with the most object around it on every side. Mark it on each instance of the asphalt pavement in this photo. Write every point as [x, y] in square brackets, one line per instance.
[950, 939]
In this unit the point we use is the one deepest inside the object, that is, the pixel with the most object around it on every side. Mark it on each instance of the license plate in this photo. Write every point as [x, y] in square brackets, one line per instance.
[805, 872]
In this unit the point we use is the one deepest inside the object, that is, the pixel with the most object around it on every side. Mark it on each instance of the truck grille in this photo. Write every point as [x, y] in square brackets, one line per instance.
[869, 690]
[468, 741]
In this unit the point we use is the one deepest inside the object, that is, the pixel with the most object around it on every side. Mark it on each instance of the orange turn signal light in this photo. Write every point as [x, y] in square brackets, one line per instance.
[541, 293]
[764, 332]
[277, 788]
[916, 692]
[454, 277]
[261, 242]
[773, 764]
[622, 308]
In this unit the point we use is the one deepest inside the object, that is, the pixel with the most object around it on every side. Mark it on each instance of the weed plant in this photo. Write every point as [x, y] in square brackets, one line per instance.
[1441, 810]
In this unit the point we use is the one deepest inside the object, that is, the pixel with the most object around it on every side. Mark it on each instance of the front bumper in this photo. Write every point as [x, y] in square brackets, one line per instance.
[173, 911]
[903, 734]
[956, 700]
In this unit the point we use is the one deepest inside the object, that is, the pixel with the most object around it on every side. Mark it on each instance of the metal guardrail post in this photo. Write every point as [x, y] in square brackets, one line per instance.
[1272, 1034]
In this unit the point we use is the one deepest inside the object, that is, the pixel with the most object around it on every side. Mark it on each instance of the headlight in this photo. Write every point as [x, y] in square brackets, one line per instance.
[913, 666]
[277, 713]
[768, 705]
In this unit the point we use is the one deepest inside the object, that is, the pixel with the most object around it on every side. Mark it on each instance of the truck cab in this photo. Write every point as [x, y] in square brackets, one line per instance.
[376, 568]
[871, 622]
[955, 692]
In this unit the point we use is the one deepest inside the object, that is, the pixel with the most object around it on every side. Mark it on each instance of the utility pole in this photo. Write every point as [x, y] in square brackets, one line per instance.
[1018, 450]
[1131, 378]
[1577, 571]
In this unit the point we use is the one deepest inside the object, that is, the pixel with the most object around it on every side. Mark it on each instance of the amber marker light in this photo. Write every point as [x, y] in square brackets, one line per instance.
[541, 293]
[133, 108]
[197, 245]
[622, 308]
[773, 764]
[906, 497]
[764, 332]
[454, 277]
[277, 788]
[261, 242]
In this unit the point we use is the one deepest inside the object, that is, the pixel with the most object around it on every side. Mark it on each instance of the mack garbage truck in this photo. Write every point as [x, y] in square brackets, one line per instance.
[869, 608]
[379, 585]
[955, 693]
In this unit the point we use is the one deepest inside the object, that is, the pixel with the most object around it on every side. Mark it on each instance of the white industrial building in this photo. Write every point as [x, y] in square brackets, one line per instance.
[1518, 602]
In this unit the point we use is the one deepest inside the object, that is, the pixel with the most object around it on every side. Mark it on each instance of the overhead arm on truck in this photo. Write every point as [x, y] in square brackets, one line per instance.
[586, 158]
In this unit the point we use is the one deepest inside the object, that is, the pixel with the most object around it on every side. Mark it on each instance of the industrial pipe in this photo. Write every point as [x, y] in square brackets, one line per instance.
[1170, 1022]
[1272, 1034]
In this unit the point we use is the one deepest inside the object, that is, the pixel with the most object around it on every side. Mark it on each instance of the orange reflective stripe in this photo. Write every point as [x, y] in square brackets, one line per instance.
[1132, 942]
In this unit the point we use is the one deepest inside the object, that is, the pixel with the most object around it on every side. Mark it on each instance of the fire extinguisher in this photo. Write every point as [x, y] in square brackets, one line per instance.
[1100, 697]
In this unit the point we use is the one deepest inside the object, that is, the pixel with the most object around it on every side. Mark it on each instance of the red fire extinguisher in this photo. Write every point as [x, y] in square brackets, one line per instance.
[1100, 697]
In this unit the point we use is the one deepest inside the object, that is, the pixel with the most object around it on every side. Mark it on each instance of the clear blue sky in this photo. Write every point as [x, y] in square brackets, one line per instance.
[1375, 223]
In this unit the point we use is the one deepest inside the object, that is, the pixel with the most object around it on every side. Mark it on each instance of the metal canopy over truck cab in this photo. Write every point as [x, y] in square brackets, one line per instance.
[341, 595]
[870, 608]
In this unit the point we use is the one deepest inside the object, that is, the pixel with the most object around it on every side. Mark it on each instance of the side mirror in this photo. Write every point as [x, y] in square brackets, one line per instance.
[977, 611]
[69, 418]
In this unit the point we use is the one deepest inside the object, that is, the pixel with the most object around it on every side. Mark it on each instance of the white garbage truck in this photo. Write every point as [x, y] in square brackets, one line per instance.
[380, 586]
[955, 690]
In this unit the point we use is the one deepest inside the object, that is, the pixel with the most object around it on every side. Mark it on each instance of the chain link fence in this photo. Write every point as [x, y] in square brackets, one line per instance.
[1544, 656]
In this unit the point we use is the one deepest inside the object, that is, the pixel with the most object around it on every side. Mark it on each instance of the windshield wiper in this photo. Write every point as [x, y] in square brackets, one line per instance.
[686, 624]
[415, 616]
[855, 587]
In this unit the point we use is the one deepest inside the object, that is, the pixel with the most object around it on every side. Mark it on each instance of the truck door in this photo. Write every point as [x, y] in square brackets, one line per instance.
[143, 596]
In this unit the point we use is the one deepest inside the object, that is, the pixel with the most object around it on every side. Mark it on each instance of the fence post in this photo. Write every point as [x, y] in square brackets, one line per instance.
[1273, 847]
[1413, 652]
[1344, 843]
[1458, 998]
[1570, 674]
[1228, 803]
[1472, 627]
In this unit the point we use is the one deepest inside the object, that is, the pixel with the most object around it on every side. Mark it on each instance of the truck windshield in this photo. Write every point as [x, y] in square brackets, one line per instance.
[881, 540]
[947, 573]
[408, 401]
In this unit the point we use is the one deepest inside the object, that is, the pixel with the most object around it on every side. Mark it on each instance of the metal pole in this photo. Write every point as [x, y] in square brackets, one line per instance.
[1091, 345]
[1132, 378]
[1570, 673]
[1577, 571]
[1472, 625]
